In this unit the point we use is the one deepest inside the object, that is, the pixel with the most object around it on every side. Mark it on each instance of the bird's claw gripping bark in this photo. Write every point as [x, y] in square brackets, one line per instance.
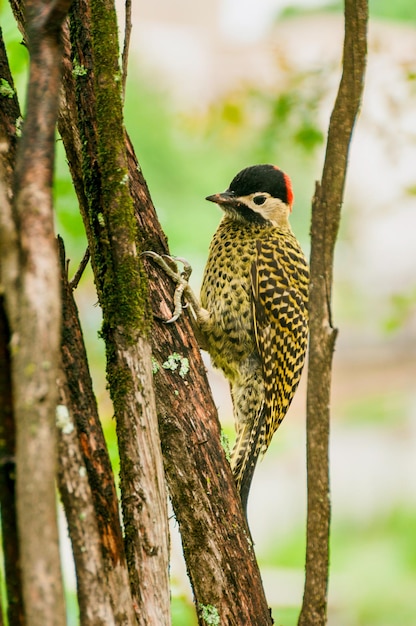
[180, 278]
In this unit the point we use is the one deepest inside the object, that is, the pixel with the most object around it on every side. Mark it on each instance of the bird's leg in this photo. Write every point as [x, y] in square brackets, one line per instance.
[181, 279]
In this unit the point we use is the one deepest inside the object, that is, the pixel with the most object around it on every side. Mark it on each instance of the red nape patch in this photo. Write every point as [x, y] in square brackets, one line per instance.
[289, 188]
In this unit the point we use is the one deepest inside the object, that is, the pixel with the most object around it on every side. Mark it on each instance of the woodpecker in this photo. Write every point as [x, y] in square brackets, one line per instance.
[254, 299]
[252, 316]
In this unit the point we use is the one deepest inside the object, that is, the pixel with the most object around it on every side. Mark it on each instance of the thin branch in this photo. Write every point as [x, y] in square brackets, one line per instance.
[11, 552]
[94, 601]
[326, 214]
[9, 113]
[78, 274]
[126, 48]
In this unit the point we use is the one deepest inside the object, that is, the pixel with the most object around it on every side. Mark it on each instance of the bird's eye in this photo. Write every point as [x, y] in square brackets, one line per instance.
[259, 199]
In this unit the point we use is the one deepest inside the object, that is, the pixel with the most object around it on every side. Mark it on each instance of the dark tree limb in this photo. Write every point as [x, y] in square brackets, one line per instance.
[87, 485]
[9, 114]
[215, 537]
[32, 296]
[94, 601]
[219, 555]
[11, 552]
[126, 47]
[78, 274]
[326, 213]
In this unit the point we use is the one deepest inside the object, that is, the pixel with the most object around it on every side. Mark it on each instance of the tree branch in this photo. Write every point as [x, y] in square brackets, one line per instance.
[121, 287]
[32, 296]
[78, 274]
[86, 483]
[126, 48]
[13, 579]
[326, 213]
[78, 102]
[9, 114]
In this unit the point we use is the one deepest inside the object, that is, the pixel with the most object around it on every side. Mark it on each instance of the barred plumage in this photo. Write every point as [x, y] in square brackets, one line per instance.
[255, 293]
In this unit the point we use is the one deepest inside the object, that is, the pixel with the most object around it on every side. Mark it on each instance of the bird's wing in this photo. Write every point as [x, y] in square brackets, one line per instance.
[279, 278]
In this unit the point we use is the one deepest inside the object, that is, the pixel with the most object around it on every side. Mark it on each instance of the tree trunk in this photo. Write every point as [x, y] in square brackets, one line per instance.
[30, 276]
[86, 484]
[216, 573]
[9, 113]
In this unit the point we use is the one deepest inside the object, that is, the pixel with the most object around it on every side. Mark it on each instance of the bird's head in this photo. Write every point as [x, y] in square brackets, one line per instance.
[259, 194]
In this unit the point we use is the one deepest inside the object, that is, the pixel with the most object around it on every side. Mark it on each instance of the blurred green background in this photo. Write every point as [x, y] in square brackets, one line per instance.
[190, 144]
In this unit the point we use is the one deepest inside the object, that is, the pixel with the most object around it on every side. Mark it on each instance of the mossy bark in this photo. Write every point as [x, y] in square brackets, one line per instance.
[122, 290]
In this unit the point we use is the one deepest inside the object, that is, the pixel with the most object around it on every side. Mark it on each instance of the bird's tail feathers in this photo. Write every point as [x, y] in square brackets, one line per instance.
[245, 453]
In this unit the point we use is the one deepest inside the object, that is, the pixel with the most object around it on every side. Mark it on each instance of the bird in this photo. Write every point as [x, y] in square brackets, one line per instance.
[252, 314]
[254, 298]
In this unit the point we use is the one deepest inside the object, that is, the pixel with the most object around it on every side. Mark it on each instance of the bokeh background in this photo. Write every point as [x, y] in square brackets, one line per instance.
[217, 85]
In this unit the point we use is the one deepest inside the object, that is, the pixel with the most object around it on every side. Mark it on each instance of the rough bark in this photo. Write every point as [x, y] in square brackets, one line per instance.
[13, 580]
[121, 288]
[326, 213]
[31, 285]
[86, 484]
[215, 573]
[9, 114]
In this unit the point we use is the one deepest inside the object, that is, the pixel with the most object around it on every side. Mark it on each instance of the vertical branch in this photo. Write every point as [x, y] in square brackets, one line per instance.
[31, 283]
[86, 483]
[94, 602]
[122, 291]
[126, 47]
[7, 480]
[9, 114]
[326, 213]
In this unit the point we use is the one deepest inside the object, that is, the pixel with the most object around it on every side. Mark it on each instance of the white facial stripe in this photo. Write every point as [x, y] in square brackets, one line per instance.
[273, 209]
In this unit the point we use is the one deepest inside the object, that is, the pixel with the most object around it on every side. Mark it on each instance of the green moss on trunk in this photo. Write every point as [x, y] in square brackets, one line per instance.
[120, 279]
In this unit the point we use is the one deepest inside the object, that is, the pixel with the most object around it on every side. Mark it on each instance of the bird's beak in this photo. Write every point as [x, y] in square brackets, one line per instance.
[226, 197]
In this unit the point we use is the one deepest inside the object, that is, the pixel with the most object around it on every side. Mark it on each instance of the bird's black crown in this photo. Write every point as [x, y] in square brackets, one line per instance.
[262, 178]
